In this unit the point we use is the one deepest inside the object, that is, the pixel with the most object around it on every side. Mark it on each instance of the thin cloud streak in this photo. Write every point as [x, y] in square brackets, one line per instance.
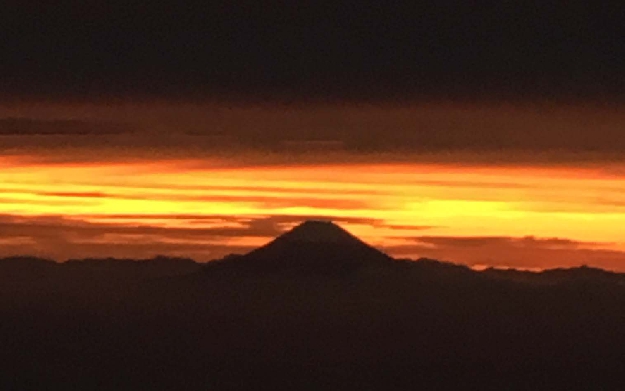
[19, 126]
[485, 241]
[74, 194]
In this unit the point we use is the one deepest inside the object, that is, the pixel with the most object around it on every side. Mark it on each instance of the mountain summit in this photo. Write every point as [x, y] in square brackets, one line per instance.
[319, 231]
[315, 246]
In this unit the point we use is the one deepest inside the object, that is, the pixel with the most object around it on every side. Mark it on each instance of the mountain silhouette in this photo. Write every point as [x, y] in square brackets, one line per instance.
[315, 246]
[316, 308]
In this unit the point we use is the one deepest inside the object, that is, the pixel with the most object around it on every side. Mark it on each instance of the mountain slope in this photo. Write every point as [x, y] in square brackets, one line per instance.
[318, 247]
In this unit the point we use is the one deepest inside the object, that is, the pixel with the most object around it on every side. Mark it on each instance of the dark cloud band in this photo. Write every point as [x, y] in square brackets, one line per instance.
[14, 126]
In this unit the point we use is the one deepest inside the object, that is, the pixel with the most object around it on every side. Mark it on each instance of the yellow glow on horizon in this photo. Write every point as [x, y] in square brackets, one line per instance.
[586, 205]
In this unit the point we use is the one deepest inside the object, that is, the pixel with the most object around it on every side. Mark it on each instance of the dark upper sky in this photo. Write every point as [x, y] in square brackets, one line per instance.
[314, 50]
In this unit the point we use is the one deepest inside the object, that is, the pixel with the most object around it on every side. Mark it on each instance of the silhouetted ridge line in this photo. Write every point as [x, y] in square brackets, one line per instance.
[25, 259]
[27, 266]
[158, 260]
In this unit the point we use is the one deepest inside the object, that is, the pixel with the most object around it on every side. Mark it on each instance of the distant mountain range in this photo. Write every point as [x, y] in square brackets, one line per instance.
[315, 247]
[314, 309]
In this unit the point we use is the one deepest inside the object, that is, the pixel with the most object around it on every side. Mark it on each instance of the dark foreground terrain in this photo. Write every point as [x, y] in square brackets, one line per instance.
[317, 312]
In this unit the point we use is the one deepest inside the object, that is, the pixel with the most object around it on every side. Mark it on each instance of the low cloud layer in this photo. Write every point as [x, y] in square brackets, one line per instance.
[515, 252]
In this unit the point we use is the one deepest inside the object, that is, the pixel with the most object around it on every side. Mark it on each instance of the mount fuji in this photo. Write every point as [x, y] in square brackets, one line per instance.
[315, 246]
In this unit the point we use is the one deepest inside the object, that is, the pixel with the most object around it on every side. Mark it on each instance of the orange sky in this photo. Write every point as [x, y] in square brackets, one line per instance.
[481, 185]
[507, 216]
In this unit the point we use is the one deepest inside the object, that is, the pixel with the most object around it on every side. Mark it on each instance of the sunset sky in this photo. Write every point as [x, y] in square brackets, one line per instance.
[426, 133]
[201, 181]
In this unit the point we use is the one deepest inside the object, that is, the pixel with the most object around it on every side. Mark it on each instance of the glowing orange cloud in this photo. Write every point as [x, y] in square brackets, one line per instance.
[583, 205]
